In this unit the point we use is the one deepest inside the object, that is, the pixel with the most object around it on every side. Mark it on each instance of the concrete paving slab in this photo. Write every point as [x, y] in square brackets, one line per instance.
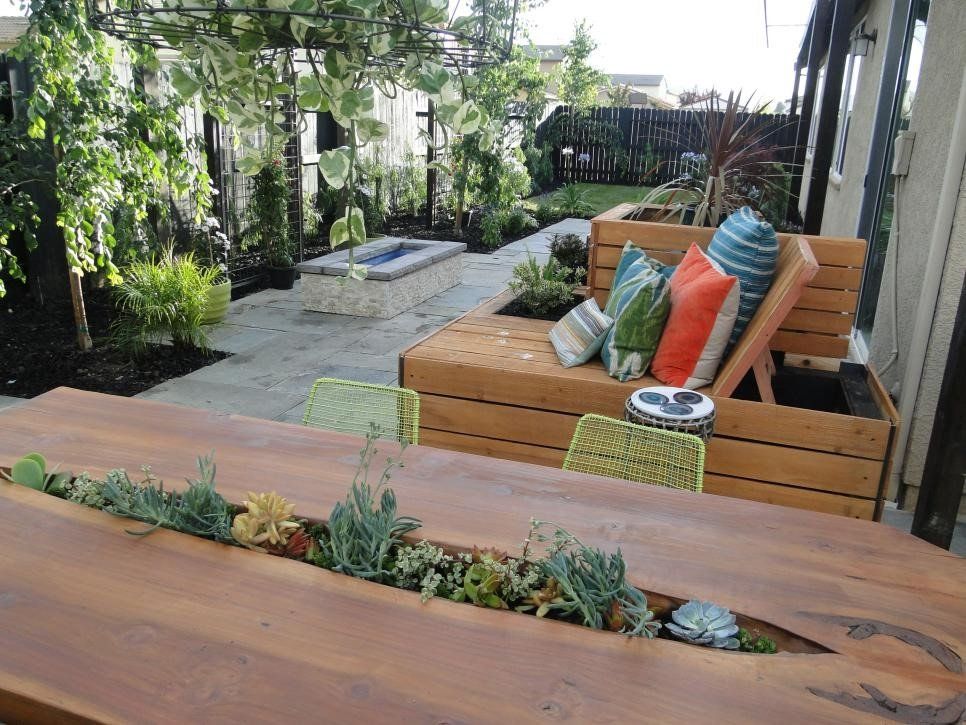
[350, 358]
[302, 384]
[293, 415]
[277, 318]
[224, 397]
[8, 401]
[238, 338]
[383, 342]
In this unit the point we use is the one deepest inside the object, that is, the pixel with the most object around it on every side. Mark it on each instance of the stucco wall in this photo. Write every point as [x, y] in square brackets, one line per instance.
[940, 80]
[844, 196]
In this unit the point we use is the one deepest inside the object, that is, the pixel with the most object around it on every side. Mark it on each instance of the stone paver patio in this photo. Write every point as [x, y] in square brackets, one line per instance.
[279, 350]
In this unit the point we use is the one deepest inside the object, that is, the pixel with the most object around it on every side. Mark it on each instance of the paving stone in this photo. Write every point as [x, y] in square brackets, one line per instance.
[238, 338]
[350, 358]
[417, 323]
[302, 384]
[293, 415]
[277, 318]
[383, 342]
[224, 397]
[7, 401]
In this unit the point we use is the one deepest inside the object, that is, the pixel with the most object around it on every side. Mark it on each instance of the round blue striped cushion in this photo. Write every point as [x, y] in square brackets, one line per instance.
[746, 247]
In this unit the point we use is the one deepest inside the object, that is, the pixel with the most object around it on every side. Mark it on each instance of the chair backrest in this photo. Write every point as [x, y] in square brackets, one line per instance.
[350, 407]
[617, 449]
[796, 267]
[818, 326]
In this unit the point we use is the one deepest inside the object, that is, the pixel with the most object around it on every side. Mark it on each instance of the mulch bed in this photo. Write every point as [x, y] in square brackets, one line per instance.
[517, 309]
[38, 352]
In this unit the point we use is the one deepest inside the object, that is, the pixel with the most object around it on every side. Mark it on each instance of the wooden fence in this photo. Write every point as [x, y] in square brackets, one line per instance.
[624, 145]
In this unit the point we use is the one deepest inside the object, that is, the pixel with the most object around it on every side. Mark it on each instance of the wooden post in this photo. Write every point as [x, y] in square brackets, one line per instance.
[941, 488]
[84, 341]
[430, 172]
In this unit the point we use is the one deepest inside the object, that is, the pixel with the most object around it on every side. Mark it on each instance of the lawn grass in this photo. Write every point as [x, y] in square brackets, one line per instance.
[601, 196]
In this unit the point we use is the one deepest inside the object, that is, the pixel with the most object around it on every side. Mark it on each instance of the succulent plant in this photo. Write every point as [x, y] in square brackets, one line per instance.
[481, 586]
[267, 524]
[31, 471]
[704, 623]
[759, 645]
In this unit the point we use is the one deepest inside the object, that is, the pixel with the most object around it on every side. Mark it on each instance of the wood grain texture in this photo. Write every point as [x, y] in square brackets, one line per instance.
[171, 628]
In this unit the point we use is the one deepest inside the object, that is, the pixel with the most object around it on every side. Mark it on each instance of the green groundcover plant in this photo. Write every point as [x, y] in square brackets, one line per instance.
[365, 537]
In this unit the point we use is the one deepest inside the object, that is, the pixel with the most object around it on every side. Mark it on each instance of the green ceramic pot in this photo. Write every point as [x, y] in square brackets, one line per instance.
[217, 306]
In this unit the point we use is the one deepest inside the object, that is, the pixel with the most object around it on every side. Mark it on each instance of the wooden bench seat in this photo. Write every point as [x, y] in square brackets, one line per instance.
[492, 384]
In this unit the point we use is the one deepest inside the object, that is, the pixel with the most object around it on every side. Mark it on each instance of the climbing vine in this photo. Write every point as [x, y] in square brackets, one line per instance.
[116, 149]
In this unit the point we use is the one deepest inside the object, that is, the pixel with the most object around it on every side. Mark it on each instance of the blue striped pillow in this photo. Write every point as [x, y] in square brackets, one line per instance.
[746, 247]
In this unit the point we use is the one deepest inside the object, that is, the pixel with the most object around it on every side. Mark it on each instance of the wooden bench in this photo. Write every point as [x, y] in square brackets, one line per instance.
[492, 384]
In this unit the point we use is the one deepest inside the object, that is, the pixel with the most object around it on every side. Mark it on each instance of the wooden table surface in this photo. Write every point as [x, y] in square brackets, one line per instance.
[100, 625]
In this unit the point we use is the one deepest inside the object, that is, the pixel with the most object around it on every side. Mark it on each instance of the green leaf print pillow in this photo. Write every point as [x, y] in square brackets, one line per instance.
[639, 304]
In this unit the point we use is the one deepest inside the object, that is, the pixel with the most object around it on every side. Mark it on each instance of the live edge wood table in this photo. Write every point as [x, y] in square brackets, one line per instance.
[96, 624]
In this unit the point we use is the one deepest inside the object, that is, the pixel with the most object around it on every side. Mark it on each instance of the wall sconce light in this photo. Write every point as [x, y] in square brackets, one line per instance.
[862, 42]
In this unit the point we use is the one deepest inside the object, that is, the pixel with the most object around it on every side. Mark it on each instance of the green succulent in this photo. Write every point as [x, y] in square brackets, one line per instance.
[704, 623]
[759, 645]
[31, 471]
[481, 585]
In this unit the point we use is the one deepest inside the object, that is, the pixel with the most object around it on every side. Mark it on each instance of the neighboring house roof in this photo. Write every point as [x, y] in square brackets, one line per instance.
[636, 79]
[644, 99]
[11, 28]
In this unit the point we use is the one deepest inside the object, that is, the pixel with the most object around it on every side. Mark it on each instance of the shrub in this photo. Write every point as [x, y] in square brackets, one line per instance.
[545, 213]
[162, 297]
[570, 200]
[542, 288]
[540, 165]
[492, 226]
[571, 251]
[517, 221]
[269, 210]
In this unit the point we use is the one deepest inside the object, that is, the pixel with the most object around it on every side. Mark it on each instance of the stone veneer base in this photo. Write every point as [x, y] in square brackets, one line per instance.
[379, 298]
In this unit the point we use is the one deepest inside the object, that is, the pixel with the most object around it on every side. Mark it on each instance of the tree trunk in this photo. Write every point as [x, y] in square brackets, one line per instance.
[84, 341]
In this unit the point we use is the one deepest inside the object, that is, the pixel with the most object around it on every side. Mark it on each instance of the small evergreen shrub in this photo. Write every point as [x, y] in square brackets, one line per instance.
[571, 251]
[542, 288]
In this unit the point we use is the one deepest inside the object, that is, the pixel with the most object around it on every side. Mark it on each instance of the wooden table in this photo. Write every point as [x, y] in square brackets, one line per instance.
[97, 624]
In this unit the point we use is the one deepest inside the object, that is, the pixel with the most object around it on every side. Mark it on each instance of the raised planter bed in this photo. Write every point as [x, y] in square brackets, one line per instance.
[492, 384]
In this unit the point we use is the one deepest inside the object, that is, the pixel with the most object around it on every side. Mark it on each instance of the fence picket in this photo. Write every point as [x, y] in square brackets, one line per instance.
[647, 136]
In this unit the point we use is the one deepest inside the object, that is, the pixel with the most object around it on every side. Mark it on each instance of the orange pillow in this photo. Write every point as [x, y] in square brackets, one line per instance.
[704, 307]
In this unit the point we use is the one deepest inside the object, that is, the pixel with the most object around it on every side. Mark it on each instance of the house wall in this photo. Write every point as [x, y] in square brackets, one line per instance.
[917, 197]
[844, 196]
[940, 83]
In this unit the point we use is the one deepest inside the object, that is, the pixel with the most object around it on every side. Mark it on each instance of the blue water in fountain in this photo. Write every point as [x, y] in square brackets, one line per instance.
[386, 257]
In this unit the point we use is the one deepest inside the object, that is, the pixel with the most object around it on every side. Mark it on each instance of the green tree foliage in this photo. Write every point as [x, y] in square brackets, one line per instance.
[580, 81]
[117, 150]
[512, 92]
[619, 95]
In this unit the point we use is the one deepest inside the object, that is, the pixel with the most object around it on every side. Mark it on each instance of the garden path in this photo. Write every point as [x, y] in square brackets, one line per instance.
[279, 350]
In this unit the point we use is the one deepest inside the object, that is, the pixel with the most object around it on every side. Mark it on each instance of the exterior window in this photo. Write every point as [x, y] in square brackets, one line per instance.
[816, 110]
[850, 84]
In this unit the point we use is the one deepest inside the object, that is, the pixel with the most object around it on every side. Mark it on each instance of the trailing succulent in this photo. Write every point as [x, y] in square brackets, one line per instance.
[704, 623]
[589, 585]
[361, 536]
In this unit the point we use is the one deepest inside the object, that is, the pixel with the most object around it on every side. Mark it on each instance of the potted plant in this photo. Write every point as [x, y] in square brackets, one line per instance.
[269, 208]
[213, 245]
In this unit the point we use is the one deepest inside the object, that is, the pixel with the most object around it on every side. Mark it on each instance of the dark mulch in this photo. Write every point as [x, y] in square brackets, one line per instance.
[38, 352]
[517, 309]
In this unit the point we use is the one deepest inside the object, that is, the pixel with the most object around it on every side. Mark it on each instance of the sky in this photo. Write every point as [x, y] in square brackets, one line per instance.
[719, 43]
[707, 43]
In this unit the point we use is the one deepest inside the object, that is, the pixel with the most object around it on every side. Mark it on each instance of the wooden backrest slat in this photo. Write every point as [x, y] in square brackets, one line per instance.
[796, 266]
[833, 289]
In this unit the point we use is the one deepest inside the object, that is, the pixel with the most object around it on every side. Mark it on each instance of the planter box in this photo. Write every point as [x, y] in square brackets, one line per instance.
[492, 384]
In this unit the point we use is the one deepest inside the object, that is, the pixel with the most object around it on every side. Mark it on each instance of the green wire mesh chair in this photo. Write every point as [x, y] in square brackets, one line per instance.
[350, 407]
[614, 448]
